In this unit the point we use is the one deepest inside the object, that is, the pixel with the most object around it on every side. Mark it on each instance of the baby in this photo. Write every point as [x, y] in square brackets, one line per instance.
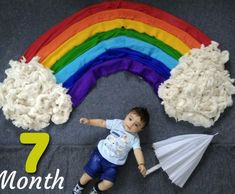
[112, 152]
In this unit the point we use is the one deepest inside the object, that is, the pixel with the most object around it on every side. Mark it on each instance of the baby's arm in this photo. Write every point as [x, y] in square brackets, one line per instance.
[140, 160]
[93, 122]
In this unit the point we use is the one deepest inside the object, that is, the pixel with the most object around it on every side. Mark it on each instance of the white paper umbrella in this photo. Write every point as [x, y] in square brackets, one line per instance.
[178, 156]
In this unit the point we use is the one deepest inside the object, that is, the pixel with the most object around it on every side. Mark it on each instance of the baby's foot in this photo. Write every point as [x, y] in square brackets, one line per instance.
[77, 189]
[94, 191]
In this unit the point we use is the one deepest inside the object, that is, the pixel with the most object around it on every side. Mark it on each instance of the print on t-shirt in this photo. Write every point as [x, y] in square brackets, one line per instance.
[117, 143]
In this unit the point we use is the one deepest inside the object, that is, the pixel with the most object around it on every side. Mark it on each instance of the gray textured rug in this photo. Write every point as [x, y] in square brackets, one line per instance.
[21, 22]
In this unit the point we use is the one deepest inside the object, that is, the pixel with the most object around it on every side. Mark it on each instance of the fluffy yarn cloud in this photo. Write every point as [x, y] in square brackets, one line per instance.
[199, 88]
[30, 97]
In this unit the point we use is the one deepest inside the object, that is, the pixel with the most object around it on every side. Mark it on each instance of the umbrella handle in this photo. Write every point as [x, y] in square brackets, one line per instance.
[154, 168]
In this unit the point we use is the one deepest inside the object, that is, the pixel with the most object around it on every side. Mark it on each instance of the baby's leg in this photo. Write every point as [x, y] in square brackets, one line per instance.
[102, 186]
[105, 185]
[85, 178]
[108, 177]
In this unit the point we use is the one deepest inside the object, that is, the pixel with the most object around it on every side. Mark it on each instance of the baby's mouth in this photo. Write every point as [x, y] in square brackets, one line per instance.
[128, 128]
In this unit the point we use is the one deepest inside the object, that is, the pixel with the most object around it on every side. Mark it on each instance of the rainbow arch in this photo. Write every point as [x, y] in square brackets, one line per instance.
[109, 37]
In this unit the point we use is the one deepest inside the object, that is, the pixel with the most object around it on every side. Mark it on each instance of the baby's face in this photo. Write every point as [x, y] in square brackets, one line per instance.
[133, 123]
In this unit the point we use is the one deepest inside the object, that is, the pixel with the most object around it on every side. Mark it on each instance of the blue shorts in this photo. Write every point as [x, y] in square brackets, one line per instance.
[98, 166]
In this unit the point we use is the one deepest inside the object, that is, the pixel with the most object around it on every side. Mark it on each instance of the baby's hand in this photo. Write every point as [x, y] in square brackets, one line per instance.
[142, 169]
[84, 121]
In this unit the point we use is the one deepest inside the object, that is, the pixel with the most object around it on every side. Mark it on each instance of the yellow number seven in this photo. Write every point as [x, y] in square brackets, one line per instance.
[41, 141]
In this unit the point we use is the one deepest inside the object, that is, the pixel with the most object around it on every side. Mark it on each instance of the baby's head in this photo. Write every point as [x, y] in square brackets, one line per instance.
[136, 119]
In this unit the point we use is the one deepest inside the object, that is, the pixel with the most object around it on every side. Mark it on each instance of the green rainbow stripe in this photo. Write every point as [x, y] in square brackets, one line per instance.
[99, 37]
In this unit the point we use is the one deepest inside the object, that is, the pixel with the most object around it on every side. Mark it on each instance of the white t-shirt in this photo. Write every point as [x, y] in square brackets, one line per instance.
[118, 143]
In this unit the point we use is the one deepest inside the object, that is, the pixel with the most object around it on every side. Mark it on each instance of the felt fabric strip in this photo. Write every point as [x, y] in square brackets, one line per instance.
[118, 14]
[151, 63]
[155, 12]
[118, 42]
[94, 40]
[106, 26]
[89, 79]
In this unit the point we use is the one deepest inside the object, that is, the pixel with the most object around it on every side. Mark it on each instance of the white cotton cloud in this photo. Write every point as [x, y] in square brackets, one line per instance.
[30, 97]
[199, 88]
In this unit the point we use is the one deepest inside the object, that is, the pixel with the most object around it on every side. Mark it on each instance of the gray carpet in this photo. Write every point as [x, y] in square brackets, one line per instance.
[21, 22]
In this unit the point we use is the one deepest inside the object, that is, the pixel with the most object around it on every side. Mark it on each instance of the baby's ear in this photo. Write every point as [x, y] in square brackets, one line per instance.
[144, 125]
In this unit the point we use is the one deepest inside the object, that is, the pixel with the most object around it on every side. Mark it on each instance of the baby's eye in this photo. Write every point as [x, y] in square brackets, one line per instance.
[136, 125]
[130, 119]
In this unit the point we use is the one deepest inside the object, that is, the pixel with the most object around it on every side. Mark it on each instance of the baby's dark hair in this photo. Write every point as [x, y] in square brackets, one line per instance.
[142, 113]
